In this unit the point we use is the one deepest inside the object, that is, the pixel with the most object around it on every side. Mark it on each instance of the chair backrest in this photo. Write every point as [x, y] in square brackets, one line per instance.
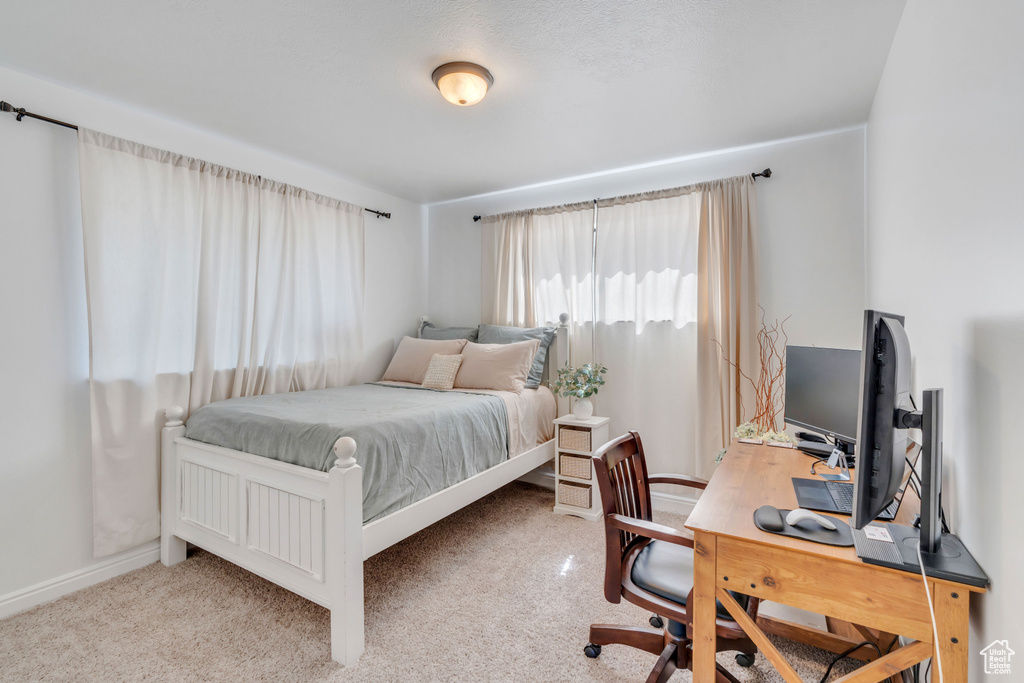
[622, 479]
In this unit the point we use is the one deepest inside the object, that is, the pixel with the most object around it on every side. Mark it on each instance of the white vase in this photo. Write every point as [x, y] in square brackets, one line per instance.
[583, 409]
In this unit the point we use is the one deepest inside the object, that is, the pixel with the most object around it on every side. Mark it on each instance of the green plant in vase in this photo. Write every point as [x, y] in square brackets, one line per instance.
[580, 383]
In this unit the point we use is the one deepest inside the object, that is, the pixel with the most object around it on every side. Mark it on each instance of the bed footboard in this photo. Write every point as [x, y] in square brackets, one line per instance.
[299, 528]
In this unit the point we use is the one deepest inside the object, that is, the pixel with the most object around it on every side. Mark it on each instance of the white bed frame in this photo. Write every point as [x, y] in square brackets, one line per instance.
[302, 528]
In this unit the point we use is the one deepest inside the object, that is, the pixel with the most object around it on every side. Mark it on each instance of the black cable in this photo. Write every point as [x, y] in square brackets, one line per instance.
[915, 481]
[835, 661]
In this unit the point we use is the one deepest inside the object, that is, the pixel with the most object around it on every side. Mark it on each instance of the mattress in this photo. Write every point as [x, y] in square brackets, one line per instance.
[411, 442]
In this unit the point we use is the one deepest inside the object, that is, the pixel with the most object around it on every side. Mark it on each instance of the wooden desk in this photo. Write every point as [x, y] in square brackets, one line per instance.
[731, 553]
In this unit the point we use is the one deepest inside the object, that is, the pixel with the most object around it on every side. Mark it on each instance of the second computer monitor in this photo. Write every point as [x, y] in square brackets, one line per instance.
[822, 390]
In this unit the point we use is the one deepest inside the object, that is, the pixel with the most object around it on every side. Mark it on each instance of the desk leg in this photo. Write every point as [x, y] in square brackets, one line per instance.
[704, 579]
[951, 615]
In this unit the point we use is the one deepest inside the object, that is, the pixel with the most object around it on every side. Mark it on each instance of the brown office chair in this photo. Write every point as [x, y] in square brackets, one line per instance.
[651, 565]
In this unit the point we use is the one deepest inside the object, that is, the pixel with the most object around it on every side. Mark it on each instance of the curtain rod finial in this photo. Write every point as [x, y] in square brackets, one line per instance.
[6, 106]
[476, 219]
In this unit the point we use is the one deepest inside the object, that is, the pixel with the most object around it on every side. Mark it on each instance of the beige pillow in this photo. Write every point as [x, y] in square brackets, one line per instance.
[441, 371]
[413, 357]
[496, 366]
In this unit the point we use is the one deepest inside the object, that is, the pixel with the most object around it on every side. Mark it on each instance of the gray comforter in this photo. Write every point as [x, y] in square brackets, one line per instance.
[411, 442]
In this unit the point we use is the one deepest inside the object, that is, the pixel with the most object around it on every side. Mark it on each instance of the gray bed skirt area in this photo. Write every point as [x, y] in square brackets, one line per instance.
[411, 442]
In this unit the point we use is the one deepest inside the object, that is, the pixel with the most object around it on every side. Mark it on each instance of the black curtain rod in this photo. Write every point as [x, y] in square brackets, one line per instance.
[20, 113]
[766, 173]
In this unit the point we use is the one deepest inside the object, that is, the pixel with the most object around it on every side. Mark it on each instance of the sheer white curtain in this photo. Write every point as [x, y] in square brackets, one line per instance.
[309, 292]
[540, 267]
[654, 304]
[203, 283]
[647, 331]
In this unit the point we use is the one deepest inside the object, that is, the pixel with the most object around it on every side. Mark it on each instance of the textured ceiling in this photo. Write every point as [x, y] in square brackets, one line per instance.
[578, 86]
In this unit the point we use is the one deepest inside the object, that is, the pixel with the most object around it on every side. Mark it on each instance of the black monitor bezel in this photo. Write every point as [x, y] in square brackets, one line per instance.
[846, 438]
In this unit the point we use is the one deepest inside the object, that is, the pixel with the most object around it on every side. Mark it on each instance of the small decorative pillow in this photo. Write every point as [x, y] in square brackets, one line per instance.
[413, 356]
[503, 367]
[441, 371]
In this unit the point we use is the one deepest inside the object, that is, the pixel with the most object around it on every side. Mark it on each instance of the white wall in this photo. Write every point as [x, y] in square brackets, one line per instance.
[810, 213]
[45, 471]
[945, 248]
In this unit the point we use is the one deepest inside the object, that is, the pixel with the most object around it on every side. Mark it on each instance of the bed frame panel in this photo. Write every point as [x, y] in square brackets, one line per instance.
[301, 528]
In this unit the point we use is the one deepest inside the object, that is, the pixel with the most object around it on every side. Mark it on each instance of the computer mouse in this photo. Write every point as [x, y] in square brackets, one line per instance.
[800, 514]
[768, 518]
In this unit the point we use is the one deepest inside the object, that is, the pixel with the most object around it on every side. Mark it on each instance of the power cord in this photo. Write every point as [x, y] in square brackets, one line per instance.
[931, 611]
[835, 661]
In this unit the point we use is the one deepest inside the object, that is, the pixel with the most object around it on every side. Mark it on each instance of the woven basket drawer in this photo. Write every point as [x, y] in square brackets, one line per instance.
[577, 466]
[573, 438]
[576, 495]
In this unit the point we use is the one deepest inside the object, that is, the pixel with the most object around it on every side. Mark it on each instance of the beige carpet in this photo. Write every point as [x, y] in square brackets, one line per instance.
[504, 590]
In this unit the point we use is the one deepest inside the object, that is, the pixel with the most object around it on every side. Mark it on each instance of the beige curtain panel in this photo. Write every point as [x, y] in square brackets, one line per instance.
[513, 291]
[727, 319]
[203, 283]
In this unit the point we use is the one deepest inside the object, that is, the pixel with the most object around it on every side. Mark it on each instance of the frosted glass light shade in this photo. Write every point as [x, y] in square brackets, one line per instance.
[462, 83]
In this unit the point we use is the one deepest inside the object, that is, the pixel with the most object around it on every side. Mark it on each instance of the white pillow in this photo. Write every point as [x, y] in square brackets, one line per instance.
[441, 372]
[503, 367]
[412, 358]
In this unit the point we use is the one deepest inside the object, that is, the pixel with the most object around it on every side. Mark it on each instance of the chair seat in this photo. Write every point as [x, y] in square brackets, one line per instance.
[666, 569]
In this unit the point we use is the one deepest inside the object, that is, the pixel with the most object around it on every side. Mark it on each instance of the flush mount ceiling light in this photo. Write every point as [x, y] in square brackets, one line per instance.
[462, 83]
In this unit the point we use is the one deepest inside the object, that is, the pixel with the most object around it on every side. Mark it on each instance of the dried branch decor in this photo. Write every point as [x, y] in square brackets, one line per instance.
[768, 389]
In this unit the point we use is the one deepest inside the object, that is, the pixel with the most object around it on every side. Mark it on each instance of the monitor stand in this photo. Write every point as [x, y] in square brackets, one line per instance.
[952, 562]
[825, 450]
[895, 545]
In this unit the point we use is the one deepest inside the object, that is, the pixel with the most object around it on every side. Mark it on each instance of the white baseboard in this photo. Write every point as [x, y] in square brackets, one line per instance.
[107, 568]
[664, 502]
[669, 502]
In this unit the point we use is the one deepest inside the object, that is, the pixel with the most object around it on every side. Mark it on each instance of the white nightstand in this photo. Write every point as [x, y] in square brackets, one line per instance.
[576, 491]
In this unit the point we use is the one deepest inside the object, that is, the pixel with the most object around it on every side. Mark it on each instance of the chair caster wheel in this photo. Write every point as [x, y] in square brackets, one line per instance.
[745, 660]
[592, 650]
[656, 621]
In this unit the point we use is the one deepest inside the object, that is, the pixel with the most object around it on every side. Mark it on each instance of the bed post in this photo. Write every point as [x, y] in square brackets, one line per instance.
[172, 548]
[561, 357]
[345, 554]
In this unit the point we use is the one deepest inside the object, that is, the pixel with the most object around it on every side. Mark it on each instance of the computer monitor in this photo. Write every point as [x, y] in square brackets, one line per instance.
[881, 440]
[822, 391]
[886, 413]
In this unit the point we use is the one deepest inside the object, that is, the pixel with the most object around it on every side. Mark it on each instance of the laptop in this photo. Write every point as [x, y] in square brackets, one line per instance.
[837, 496]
